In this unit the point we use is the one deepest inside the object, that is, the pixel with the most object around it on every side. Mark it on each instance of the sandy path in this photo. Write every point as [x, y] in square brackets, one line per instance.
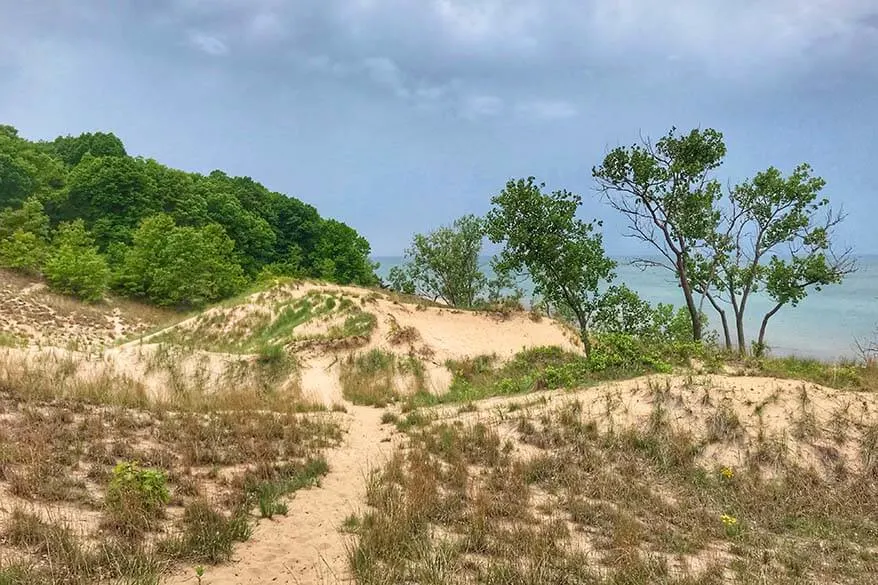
[305, 547]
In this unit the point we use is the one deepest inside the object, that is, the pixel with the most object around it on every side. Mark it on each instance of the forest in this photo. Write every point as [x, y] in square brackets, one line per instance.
[90, 218]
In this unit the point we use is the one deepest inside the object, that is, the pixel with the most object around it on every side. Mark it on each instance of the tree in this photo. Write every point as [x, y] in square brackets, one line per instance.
[24, 237]
[777, 239]
[342, 255]
[563, 255]
[174, 265]
[665, 191]
[444, 264]
[112, 195]
[72, 149]
[74, 265]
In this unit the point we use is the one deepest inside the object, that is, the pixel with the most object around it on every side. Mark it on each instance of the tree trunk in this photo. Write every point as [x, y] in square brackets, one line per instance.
[739, 324]
[690, 299]
[722, 316]
[583, 333]
[760, 344]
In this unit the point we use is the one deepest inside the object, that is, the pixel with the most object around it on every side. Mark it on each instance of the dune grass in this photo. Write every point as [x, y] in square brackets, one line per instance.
[463, 505]
[165, 485]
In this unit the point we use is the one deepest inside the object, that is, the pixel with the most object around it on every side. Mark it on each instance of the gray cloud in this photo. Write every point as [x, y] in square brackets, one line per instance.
[350, 103]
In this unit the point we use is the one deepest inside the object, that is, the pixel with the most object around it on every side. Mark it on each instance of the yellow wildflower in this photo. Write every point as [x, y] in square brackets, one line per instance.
[727, 472]
[728, 520]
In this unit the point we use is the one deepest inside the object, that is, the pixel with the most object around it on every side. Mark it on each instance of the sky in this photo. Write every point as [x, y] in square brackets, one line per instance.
[397, 116]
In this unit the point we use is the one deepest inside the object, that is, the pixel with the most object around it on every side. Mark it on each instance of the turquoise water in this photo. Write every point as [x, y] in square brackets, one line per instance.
[825, 325]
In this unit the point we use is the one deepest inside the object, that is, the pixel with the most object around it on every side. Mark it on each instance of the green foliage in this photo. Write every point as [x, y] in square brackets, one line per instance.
[71, 149]
[148, 486]
[614, 356]
[668, 196]
[91, 178]
[74, 265]
[136, 498]
[342, 255]
[23, 251]
[444, 264]
[563, 255]
[29, 218]
[777, 239]
[24, 234]
[172, 265]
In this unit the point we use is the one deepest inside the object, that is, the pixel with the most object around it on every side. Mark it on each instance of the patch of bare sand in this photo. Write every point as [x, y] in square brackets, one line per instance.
[306, 547]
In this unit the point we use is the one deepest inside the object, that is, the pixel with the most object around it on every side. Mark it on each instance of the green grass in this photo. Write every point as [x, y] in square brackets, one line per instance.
[541, 368]
[843, 375]
[259, 331]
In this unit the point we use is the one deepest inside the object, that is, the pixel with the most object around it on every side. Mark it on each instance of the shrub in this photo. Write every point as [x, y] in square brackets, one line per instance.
[23, 251]
[136, 498]
[75, 266]
[174, 265]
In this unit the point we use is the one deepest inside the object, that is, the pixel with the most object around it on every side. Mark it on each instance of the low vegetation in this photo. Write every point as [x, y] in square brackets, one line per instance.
[266, 322]
[559, 496]
[107, 484]
[377, 378]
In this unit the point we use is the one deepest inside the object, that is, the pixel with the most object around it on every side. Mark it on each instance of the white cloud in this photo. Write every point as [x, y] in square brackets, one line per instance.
[209, 44]
[266, 25]
[547, 109]
[385, 72]
[481, 106]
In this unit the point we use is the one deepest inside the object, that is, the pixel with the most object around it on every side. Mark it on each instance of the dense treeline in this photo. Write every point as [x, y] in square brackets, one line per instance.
[90, 217]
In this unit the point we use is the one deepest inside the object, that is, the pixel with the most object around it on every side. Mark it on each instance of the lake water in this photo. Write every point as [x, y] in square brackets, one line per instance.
[825, 325]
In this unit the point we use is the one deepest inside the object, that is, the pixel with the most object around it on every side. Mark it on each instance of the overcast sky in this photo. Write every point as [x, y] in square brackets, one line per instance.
[397, 116]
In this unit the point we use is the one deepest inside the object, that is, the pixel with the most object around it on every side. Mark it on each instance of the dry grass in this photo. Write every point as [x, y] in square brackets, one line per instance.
[220, 456]
[30, 312]
[562, 496]
[377, 378]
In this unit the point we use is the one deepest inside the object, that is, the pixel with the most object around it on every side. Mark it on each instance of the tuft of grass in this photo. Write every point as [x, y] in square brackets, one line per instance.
[723, 425]
[208, 535]
[368, 378]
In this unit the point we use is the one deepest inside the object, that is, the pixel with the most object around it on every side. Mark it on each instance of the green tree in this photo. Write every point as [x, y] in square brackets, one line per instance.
[74, 265]
[342, 255]
[25, 170]
[72, 149]
[444, 264]
[563, 255]
[24, 234]
[112, 195]
[666, 192]
[777, 239]
[174, 265]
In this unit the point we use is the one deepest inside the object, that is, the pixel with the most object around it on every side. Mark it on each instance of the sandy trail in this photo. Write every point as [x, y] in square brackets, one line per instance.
[305, 547]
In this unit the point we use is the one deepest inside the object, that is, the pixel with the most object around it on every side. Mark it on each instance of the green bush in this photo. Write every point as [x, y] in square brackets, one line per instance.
[23, 251]
[172, 265]
[136, 498]
[75, 266]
